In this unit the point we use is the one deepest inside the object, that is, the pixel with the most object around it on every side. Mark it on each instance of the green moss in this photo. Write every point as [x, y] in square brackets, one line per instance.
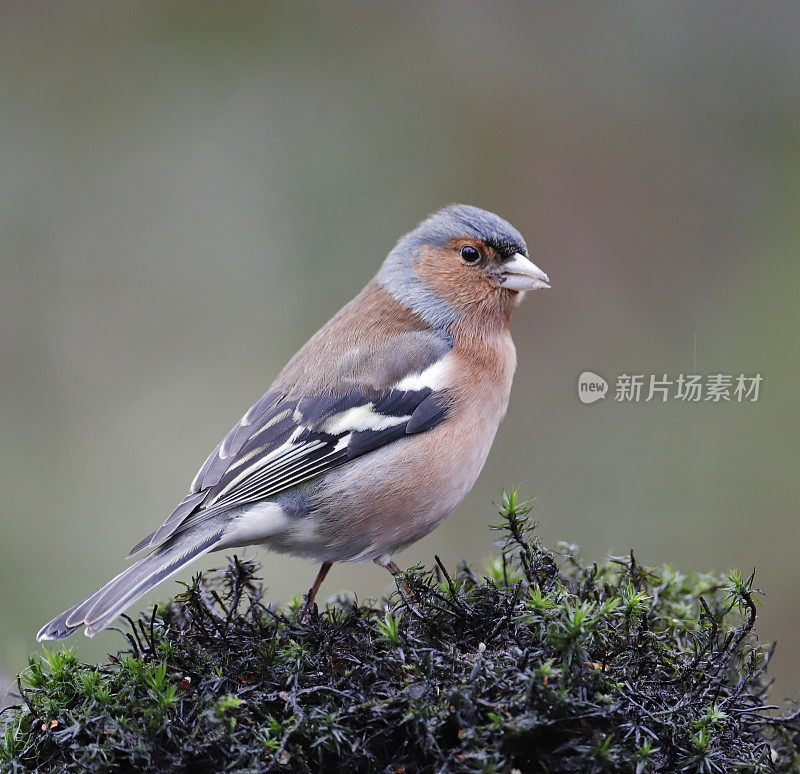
[539, 664]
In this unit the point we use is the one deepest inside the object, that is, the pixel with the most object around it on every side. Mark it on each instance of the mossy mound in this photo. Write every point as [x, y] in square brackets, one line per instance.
[541, 665]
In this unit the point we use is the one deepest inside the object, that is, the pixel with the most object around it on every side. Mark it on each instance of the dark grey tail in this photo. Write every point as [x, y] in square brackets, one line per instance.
[101, 608]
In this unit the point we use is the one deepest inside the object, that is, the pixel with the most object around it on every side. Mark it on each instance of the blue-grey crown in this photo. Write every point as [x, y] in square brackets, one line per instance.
[456, 220]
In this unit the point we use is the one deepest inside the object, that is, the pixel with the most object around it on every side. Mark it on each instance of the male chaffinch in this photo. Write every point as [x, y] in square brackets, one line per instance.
[373, 432]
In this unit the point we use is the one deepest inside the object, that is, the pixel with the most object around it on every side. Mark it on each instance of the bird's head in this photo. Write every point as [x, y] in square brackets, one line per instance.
[461, 261]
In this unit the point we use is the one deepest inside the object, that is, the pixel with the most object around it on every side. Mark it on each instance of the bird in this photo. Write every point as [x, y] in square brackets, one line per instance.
[372, 434]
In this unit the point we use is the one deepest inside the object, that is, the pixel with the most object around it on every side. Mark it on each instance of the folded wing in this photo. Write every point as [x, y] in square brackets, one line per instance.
[281, 442]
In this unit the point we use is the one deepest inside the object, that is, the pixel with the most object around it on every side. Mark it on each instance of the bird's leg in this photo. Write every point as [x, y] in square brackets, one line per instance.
[308, 605]
[392, 567]
[386, 561]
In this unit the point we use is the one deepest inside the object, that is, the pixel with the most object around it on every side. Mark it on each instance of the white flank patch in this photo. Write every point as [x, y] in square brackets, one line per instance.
[361, 418]
[254, 523]
[434, 377]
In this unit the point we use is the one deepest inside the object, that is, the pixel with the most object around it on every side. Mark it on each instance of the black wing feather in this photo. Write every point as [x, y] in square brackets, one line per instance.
[427, 414]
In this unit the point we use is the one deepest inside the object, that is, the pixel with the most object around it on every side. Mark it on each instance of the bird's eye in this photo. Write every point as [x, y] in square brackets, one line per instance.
[470, 254]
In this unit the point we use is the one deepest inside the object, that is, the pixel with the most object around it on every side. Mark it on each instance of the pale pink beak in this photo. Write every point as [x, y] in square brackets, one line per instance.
[520, 273]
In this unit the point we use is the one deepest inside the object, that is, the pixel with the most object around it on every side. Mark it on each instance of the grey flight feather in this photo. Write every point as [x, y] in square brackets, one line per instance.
[101, 608]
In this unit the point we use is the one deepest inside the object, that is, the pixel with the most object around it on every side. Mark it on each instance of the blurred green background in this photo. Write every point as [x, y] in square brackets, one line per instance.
[188, 190]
